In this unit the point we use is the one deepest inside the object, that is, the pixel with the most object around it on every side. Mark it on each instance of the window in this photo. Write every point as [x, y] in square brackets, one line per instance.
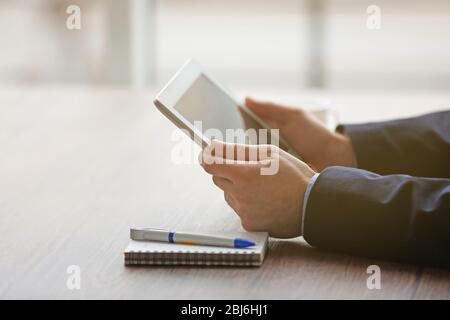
[288, 44]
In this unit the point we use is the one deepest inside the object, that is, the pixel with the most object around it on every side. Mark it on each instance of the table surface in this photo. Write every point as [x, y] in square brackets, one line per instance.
[78, 166]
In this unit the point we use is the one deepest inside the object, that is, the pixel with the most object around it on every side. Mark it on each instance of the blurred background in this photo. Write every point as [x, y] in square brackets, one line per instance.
[276, 44]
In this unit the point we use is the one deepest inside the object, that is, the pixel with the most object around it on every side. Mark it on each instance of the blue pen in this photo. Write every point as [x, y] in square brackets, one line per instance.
[151, 234]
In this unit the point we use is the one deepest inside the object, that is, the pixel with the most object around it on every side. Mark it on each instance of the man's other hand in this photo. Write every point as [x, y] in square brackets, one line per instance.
[318, 146]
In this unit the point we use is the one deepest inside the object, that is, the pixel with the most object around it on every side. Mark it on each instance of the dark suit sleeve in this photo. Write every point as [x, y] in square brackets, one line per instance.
[396, 216]
[417, 146]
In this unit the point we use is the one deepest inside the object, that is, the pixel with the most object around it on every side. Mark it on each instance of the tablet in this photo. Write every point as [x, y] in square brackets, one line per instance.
[199, 105]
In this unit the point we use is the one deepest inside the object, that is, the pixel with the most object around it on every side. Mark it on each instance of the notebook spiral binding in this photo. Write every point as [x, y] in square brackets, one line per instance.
[192, 258]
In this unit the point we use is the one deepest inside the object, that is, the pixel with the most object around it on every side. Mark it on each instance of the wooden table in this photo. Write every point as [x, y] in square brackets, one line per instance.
[78, 166]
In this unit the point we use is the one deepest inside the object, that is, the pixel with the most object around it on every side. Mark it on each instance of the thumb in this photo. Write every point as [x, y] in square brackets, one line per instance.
[242, 152]
[261, 108]
[267, 110]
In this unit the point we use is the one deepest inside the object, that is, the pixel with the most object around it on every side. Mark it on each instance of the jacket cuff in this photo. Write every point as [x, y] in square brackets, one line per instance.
[337, 216]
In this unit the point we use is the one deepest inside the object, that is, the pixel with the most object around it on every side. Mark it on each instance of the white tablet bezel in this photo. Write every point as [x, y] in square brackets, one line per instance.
[172, 92]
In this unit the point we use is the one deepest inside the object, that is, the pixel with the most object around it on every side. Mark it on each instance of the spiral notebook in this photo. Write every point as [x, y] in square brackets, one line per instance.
[162, 253]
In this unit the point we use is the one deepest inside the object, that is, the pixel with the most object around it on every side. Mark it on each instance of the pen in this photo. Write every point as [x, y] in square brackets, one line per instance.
[188, 238]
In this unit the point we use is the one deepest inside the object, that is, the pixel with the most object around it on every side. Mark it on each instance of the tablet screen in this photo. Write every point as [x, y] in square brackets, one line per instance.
[206, 102]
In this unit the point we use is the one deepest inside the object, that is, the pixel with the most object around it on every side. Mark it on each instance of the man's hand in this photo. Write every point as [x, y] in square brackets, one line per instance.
[270, 203]
[316, 144]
